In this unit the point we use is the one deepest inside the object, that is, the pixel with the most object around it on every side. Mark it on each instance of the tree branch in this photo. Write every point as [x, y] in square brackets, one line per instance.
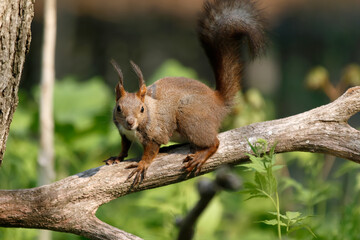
[69, 205]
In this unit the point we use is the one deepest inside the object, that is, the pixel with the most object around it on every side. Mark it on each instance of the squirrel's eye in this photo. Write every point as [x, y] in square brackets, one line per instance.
[142, 109]
[118, 108]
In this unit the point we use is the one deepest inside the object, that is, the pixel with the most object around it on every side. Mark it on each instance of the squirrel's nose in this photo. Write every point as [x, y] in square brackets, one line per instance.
[130, 121]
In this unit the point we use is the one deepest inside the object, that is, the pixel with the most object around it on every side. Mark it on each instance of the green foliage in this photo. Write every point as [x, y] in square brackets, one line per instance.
[172, 68]
[19, 233]
[250, 107]
[74, 105]
[151, 214]
[265, 186]
[85, 135]
[314, 190]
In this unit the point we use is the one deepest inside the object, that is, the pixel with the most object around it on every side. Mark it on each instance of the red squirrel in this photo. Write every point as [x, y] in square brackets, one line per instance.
[179, 107]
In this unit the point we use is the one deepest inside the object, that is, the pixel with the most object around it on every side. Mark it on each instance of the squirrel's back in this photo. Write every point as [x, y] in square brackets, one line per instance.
[223, 27]
[188, 107]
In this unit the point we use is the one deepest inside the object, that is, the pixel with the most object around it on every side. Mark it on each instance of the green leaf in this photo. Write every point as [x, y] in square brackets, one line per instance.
[275, 214]
[253, 190]
[277, 167]
[273, 222]
[256, 164]
[272, 150]
[272, 184]
[262, 143]
[292, 215]
[253, 148]
[258, 195]
[262, 182]
[250, 186]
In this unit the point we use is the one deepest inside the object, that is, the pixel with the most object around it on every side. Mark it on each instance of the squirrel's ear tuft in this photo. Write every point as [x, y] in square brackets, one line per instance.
[118, 70]
[138, 73]
[119, 89]
[142, 86]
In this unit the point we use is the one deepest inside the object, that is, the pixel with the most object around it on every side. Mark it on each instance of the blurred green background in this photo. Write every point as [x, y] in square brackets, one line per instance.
[164, 43]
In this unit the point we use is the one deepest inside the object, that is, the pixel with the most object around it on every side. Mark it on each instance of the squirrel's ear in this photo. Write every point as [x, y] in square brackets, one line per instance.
[142, 86]
[142, 92]
[119, 89]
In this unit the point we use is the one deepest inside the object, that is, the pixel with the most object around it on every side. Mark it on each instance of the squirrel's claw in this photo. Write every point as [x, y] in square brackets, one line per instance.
[197, 160]
[113, 160]
[188, 161]
[139, 172]
[192, 161]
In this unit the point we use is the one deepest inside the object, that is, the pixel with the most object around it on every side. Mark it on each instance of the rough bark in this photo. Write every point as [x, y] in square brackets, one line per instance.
[15, 36]
[69, 205]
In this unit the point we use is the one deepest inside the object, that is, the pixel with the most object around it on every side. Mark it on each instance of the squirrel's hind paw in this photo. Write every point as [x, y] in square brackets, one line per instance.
[197, 160]
[193, 161]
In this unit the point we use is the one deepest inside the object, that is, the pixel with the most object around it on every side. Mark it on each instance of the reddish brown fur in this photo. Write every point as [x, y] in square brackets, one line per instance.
[185, 106]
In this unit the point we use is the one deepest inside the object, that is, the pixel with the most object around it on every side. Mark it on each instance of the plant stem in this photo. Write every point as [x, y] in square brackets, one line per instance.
[277, 207]
[278, 214]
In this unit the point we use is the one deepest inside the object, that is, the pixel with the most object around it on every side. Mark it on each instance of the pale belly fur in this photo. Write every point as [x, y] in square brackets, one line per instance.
[134, 136]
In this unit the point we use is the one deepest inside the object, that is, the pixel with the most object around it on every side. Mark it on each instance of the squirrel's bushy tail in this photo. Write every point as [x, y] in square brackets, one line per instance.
[223, 27]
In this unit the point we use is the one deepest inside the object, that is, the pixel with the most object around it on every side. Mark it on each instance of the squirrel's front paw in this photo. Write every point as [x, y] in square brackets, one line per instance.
[113, 160]
[139, 172]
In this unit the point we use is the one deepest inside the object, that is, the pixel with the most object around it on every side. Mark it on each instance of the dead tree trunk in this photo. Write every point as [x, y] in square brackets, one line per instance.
[15, 36]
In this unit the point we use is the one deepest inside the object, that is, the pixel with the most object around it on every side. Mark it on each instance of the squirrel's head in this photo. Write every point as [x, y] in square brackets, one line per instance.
[130, 110]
